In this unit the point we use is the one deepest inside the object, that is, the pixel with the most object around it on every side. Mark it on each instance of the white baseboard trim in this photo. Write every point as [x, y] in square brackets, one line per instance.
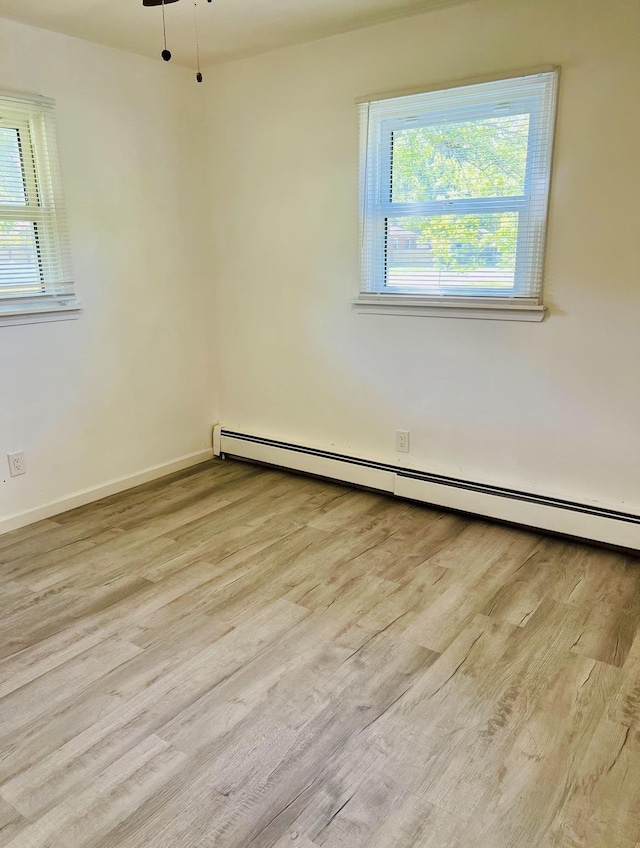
[104, 490]
[591, 522]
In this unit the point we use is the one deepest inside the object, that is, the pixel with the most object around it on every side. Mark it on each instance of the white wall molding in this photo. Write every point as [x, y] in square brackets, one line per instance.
[592, 522]
[388, 304]
[104, 490]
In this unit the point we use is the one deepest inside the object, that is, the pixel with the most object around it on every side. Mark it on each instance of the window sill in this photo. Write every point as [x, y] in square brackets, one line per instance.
[488, 309]
[38, 313]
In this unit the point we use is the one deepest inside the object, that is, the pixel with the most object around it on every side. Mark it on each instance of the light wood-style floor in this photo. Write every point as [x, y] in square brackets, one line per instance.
[236, 657]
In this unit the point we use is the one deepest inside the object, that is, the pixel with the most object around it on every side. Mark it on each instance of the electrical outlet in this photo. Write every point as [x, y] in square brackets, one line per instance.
[402, 441]
[16, 464]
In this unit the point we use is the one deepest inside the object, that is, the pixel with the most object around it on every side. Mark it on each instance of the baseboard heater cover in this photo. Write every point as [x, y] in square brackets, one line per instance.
[571, 518]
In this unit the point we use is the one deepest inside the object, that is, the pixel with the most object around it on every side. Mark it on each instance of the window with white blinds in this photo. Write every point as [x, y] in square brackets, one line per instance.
[35, 267]
[454, 191]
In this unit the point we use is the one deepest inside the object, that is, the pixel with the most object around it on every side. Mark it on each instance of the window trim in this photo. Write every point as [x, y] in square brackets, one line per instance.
[39, 313]
[381, 298]
[458, 83]
[33, 116]
[416, 305]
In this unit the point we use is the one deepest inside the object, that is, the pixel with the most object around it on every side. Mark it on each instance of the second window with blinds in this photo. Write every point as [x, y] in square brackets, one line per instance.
[36, 283]
[454, 188]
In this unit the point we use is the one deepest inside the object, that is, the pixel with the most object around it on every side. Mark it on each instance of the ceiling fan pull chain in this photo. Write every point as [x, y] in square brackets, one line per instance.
[195, 25]
[166, 54]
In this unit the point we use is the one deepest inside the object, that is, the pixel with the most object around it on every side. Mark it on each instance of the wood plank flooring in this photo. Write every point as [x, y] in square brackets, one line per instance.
[236, 657]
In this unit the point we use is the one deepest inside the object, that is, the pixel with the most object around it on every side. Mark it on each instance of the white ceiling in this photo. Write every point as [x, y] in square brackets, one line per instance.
[228, 28]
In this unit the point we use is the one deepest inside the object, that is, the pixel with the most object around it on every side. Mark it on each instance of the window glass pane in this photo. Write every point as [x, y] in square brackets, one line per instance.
[452, 161]
[12, 187]
[19, 265]
[450, 251]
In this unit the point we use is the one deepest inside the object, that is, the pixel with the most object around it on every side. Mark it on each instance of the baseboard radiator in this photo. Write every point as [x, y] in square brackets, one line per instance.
[569, 518]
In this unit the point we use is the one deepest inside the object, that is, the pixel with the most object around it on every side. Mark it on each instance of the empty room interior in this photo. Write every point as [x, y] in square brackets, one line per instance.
[319, 424]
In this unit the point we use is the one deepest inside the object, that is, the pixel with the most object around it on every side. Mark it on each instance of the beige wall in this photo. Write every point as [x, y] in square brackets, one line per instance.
[244, 313]
[127, 386]
[552, 406]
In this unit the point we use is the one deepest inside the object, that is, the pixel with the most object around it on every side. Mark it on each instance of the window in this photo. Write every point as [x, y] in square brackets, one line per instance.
[35, 275]
[463, 174]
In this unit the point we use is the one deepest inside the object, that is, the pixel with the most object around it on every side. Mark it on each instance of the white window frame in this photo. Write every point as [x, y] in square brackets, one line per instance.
[411, 109]
[54, 299]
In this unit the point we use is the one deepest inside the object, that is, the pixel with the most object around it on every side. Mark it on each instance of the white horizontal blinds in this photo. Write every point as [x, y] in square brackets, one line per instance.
[454, 189]
[34, 239]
